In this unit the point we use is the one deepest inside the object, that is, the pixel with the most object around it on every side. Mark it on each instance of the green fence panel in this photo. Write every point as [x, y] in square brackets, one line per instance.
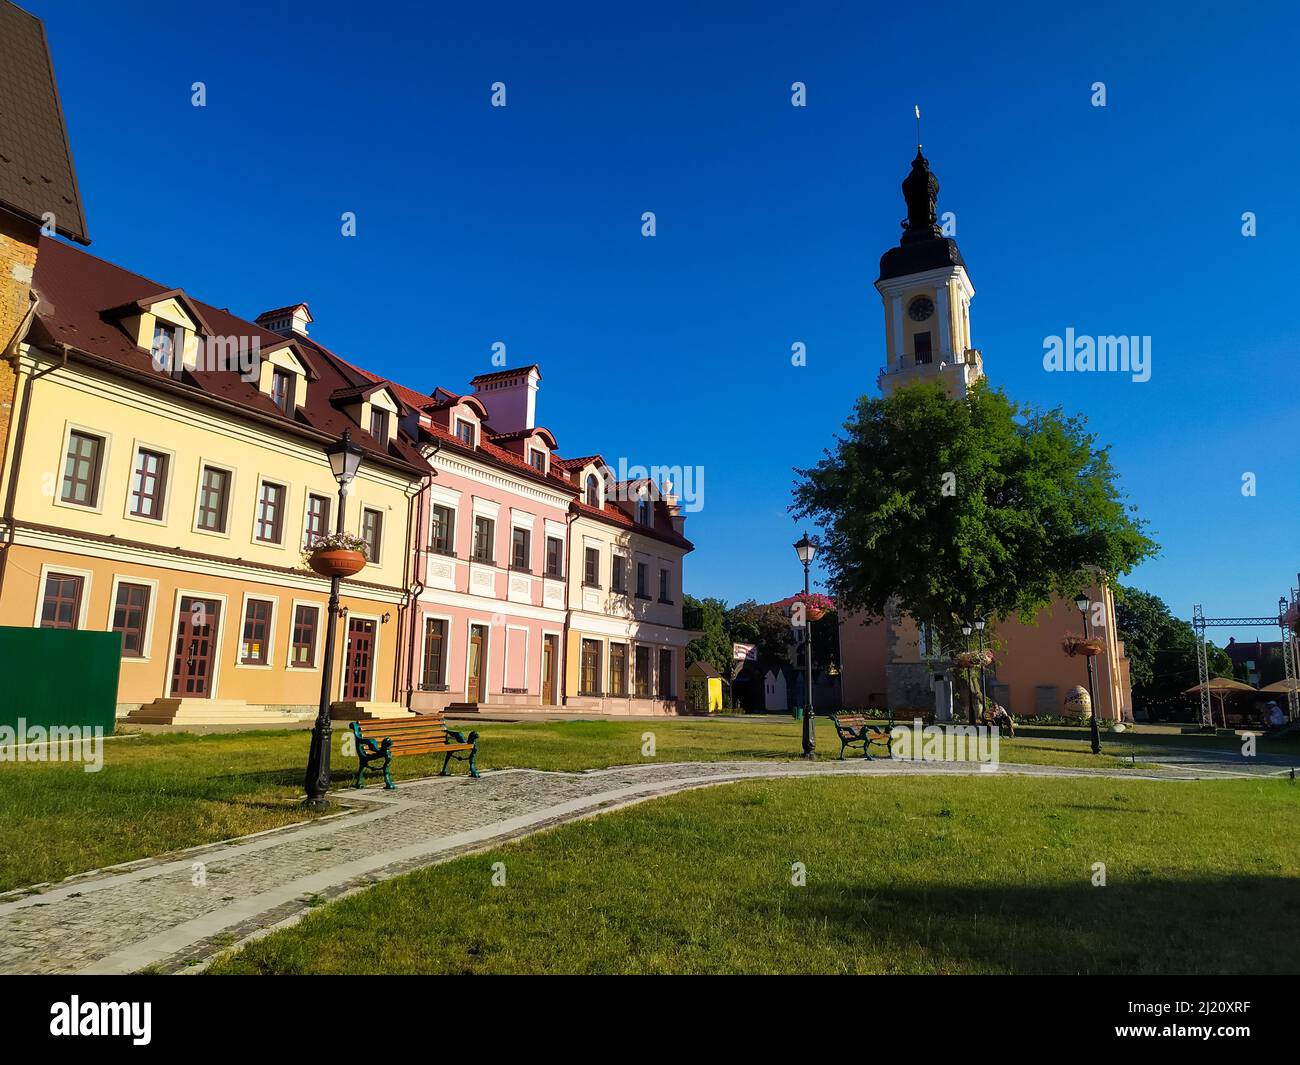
[59, 677]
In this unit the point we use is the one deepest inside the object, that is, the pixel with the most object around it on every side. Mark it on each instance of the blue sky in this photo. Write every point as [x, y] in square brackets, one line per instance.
[523, 224]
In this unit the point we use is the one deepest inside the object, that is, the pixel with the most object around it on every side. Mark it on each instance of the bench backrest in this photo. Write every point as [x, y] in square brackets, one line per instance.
[410, 735]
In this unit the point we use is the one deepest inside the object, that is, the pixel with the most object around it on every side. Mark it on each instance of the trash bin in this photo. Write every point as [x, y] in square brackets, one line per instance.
[797, 713]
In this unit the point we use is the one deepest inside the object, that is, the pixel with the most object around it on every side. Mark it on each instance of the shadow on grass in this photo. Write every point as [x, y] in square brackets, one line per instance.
[1234, 924]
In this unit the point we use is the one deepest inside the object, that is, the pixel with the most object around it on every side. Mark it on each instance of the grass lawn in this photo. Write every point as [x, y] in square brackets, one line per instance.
[159, 793]
[909, 875]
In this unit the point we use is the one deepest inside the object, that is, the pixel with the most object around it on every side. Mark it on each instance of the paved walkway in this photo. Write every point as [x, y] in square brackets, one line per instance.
[172, 914]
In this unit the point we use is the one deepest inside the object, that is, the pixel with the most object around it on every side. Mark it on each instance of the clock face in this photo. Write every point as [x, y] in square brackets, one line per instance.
[920, 308]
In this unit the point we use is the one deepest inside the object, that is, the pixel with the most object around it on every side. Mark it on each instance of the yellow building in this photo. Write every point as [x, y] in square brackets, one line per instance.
[625, 651]
[166, 469]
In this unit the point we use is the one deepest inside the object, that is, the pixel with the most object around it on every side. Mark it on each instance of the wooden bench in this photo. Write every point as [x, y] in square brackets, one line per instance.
[857, 729]
[426, 734]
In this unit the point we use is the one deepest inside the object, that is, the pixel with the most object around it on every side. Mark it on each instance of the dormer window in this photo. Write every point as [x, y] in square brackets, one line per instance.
[465, 432]
[593, 490]
[644, 515]
[167, 340]
[282, 389]
[537, 459]
[379, 424]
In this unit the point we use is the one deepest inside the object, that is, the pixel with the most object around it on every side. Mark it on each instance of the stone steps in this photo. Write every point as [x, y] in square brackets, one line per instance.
[174, 711]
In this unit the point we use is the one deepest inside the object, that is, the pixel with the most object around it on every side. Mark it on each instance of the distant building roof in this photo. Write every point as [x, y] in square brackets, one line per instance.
[36, 173]
[702, 668]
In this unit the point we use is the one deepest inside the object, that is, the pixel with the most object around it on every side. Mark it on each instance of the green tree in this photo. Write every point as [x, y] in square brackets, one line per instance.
[958, 508]
[708, 616]
[762, 625]
[1161, 650]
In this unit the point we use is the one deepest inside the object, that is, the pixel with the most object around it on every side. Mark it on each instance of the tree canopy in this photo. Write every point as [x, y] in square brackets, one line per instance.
[962, 508]
[1161, 651]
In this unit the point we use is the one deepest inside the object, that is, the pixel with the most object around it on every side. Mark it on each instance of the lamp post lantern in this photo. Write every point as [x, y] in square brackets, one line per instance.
[806, 549]
[345, 459]
[1084, 604]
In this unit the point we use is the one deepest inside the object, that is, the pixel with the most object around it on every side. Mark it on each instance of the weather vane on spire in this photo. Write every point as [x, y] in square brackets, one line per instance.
[917, 109]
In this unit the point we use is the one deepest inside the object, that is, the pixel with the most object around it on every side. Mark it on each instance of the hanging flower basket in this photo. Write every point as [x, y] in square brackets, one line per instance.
[1088, 646]
[336, 555]
[815, 605]
[973, 659]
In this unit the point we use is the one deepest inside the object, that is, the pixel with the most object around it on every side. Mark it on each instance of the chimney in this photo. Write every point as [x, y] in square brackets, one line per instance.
[286, 321]
[510, 397]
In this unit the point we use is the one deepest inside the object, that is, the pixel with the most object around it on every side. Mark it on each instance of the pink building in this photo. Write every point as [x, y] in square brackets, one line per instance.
[490, 620]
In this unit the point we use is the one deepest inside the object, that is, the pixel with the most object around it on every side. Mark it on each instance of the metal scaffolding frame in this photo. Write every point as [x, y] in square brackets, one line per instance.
[1289, 652]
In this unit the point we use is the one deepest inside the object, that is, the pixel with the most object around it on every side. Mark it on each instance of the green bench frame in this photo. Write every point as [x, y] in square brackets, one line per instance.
[858, 729]
[425, 734]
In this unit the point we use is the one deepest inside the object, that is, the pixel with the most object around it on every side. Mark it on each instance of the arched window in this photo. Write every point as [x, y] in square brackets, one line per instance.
[593, 490]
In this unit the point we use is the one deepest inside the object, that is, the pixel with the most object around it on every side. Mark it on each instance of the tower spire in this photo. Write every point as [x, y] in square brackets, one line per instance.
[917, 109]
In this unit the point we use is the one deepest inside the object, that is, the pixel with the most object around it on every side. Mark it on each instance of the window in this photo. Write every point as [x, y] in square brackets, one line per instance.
[282, 389]
[148, 483]
[131, 617]
[618, 669]
[618, 574]
[591, 570]
[537, 459]
[593, 490]
[642, 679]
[166, 341]
[214, 497]
[644, 515]
[257, 633]
[642, 578]
[61, 605]
[666, 690]
[306, 619]
[379, 424]
[435, 645]
[663, 586]
[318, 519]
[554, 556]
[270, 512]
[372, 532]
[81, 469]
[922, 347]
[484, 533]
[590, 667]
[520, 549]
[465, 431]
[442, 533]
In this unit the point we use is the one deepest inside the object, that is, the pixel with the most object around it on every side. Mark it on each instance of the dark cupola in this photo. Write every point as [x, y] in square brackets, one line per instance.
[923, 245]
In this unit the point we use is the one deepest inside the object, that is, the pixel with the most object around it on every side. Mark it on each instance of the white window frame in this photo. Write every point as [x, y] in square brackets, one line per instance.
[285, 510]
[138, 445]
[270, 631]
[101, 486]
[150, 615]
[52, 567]
[230, 499]
[315, 667]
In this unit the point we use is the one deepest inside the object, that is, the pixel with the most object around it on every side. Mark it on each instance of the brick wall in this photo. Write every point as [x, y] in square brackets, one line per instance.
[18, 241]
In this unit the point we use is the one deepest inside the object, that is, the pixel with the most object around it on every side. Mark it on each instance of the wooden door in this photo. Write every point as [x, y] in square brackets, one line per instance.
[358, 660]
[195, 657]
[474, 686]
[548, 670]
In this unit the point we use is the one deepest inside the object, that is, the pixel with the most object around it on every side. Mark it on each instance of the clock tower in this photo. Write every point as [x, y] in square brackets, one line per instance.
[926, 295]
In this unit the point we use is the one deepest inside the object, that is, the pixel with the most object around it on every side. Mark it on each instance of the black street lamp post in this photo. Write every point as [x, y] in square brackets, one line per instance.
[806, 548]
[345, 459]
[1084, 605]
[984, 702]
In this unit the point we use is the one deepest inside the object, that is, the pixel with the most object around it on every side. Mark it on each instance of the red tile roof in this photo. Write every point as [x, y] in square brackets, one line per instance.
[76, 288]
[615, 515]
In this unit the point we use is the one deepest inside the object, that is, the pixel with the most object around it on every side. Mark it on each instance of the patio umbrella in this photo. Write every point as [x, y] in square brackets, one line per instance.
[1282, 686]
[1222, 687]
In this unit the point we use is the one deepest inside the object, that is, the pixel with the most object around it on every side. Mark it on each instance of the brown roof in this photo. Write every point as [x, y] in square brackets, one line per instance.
[36, 173]
[497, 375]
[615, 515]
[78, 290]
